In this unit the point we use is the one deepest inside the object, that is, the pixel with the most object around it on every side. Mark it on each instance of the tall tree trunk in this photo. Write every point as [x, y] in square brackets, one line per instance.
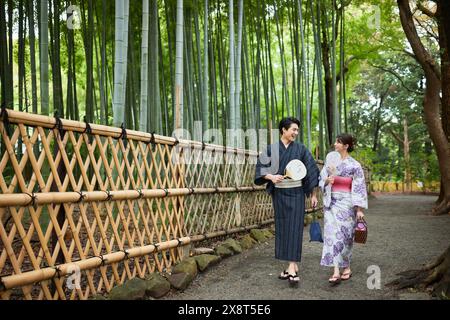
[170, 43]
[75, 110]
[214, 115]
[30, 13]
[296, 65]
[178, 94]
[43, 56]
[198, 70]
[327, 78]
[10, 60]
[305, 75]
[249, 86]
[431, 101]
[444, 43]
[342, 88]
[3, 54]
[21, 57]
[70, 114]
[318, 59]
[377, 119]
[90, 63]
[334, 22]
[21, 63]
[188, 73]
[437, 273]
[205, 88]
[222, 71]
[102, 81]
[238, 62]
[164, 97]
[231, 65]
[155, 100]
[120, 61]
[407, 155]
[285, 96]
[58, 101]
[144, 68]
[405, 143]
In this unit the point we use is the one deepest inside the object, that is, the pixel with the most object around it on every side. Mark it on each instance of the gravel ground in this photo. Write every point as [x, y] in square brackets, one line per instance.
[402, 236]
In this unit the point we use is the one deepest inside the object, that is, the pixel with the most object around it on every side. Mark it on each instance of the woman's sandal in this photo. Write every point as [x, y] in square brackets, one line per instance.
[293, 280]
[346, 275]
[334, 280]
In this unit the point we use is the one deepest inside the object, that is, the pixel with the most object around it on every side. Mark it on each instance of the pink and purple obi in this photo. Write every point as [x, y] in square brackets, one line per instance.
[342, 184]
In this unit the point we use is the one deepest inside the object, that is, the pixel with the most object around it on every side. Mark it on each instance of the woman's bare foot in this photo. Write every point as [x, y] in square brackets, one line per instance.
[335, 279]
[346, 274]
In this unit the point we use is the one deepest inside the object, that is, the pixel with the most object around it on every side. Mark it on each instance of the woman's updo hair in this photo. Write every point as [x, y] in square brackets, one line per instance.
[286, 123]
[346, 138]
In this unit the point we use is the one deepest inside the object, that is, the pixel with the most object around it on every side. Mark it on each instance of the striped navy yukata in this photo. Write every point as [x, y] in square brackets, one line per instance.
[288, 203]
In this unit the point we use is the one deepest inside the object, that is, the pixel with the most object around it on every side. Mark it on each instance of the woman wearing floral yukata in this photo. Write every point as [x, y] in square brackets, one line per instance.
[345, 197]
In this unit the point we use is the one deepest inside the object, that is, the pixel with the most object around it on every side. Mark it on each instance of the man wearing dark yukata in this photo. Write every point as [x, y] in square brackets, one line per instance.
[288, 196]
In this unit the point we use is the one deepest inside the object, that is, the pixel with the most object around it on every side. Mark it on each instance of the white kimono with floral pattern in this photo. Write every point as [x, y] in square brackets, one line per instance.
[340, 213]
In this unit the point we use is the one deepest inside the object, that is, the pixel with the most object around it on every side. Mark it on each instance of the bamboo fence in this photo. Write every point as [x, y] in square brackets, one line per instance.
[113, 204]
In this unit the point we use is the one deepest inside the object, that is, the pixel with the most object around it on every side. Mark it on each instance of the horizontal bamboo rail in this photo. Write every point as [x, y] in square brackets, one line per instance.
[26, 199]
[106, 131]
[62, 270]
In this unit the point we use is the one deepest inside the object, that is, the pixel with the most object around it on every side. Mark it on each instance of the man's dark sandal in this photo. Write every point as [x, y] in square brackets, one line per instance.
[293, 280]
[284, 275]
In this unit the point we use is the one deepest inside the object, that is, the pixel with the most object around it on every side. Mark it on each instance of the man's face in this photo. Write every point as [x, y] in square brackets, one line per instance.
[292, 133]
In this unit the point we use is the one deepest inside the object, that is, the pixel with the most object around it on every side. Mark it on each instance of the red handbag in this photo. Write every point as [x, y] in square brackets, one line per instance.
[361, 231]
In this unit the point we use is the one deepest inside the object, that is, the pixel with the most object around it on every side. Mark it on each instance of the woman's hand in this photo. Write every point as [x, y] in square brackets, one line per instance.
[274, 178]
[359, 214]
[329, 180]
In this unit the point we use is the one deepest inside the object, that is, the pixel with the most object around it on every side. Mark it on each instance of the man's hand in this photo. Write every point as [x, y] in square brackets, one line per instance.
[275, 178]
[314, 201]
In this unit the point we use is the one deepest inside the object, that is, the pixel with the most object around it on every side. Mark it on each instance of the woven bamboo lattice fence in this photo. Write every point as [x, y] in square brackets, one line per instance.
[111, 204]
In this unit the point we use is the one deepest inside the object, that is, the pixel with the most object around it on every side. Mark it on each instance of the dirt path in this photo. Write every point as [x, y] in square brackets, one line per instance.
[401, 236]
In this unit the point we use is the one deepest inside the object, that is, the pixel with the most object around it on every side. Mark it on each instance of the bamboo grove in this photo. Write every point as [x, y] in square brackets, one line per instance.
[121, 62]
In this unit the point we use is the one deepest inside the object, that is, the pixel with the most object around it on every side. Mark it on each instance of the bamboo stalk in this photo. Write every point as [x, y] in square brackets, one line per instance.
[28, 278]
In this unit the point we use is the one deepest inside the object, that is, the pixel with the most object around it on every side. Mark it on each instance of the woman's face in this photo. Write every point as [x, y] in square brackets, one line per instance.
[340, 147]
[292, 133]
